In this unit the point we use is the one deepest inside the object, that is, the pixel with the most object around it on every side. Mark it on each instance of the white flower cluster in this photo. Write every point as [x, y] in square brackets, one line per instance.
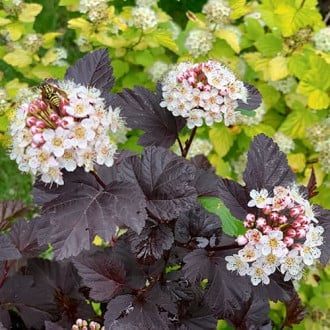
[144, 18]
[32, 42]
[85, 325]
[157, 70]
[203, 92]
[322, 39]
[217, 12]
[68, 129]
[146, 3]
[319, 135]
[87, 5]
[241, 119]
[284, 86]
[284, 142]
[199, 42]
[283, 236]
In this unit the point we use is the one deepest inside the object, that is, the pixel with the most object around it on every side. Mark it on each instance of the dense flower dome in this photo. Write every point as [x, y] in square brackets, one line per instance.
[206, 92]
[284, 236]
[63, 126]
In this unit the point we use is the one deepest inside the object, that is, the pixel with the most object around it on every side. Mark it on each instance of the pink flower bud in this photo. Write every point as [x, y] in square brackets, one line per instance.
[30, 121]
[274, 216]
[41, 104]
[38, 139]
[301, 208]
[302, 219]
[54, 117]
[291, 233]
[288, 241]
[261, 222]
[35, 130]
[301, 233]
[250, 217]
[67, 122]
[296, 224]
[241, 240]
[267, 210]
[33, 108]
[41, 124]
[294, 212]
[297, 246]
[267, 229]
[282, 219]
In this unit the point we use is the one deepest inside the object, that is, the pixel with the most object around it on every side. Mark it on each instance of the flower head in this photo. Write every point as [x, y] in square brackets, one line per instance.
[207, 92]
[63, 126]
[282, 235]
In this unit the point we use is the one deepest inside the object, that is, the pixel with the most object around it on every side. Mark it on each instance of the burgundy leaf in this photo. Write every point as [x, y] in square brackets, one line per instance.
[151, 243]
[253, 99]
[267, 166]
[295, 311]
[24, 236]
[129, 312]
[93, 70]
[30, 301]
[323, 217]
[8, 250]
[53, 326]
[166, 180]
[312, 186]
[197, 266]
[102, 273]
[141, 110]
[61, 281]
[197, 223]
[78, 215]
[10, 210]
[234, 196]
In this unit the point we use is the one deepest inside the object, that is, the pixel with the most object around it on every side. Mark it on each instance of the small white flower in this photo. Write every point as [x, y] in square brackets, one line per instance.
[309, 253]
[249, 253]
[235, 263]
[259, 198]
[258, 273]
[272, 243]
[292, 265]
[314, 236]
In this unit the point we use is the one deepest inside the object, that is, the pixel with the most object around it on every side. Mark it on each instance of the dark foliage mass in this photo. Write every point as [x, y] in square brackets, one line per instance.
[165, 268]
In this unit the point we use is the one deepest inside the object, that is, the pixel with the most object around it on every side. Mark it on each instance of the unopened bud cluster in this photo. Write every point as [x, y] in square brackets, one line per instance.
[283, 236]
[204, 92]
[85, 325]
[63, 126]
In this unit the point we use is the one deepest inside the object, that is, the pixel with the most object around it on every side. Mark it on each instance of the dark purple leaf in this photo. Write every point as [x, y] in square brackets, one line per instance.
[93, 70]
[206, 182]
[78, 215]
[324, 220]
[24, 235]
[197, 316]
[234, 196]
[30, 301]
[253, 99]
[267, 166]
[142, 312]
[5, 321]
[197, 223]
[10, 210]
[141, 110]
[62, 283]
[226, 291]
[151, 243]
[8, 250]
[295, 311]
[166, 180]
[102, 273]
[197, 266]
[312, 186]
[53, 326]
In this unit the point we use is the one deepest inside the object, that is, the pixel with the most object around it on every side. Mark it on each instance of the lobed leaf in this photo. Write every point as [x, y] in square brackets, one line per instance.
[141, 110]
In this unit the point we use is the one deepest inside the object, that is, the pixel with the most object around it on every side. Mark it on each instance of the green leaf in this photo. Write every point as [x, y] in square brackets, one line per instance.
[120, 68]
[31, 10]
[221, 138]
[254, 30]
[165, 39]
[297, 121]
[269, 44]
[230, 225]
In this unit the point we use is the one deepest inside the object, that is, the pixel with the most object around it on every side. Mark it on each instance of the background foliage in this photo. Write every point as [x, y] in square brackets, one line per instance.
[274, 45]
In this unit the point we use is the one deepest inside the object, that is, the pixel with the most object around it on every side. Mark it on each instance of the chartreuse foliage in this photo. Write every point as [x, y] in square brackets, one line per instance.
[269, 44]
[166, 267]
